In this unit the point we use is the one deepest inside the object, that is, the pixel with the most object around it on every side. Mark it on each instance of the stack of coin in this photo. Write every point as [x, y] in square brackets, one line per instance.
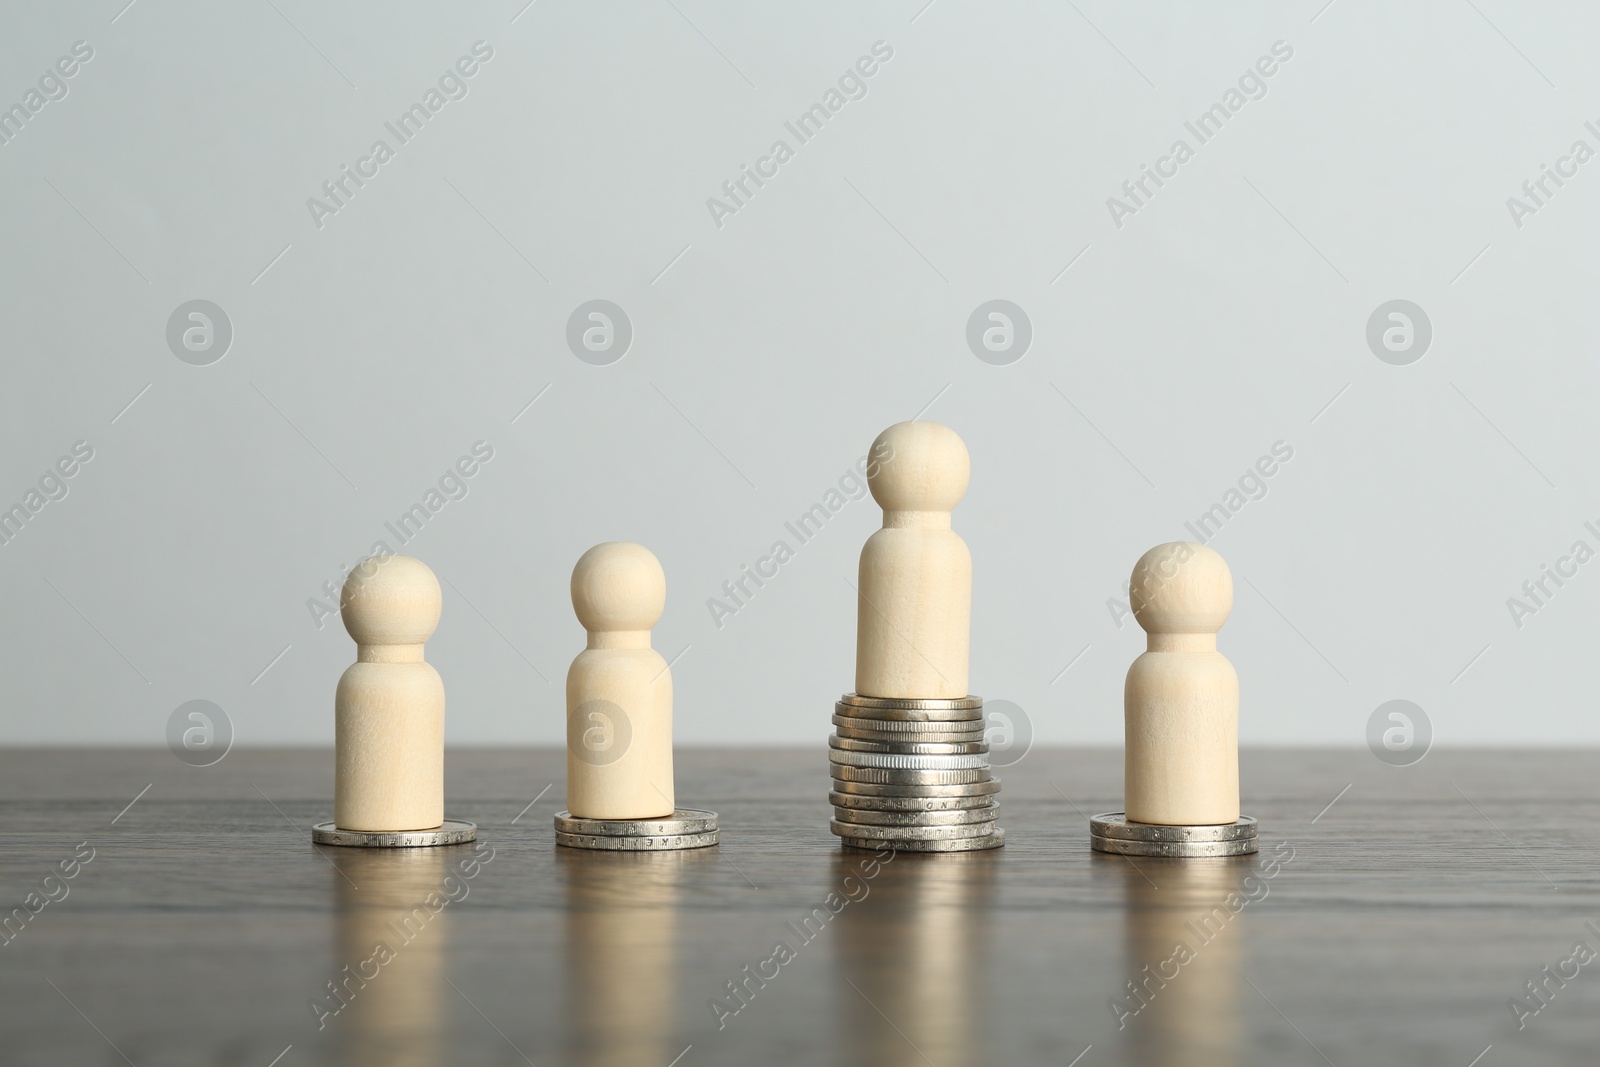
[684, 828]
[1114, 832]
[912, 775]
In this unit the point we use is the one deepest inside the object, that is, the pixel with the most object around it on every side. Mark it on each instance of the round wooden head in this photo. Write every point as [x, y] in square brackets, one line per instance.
[618, 585]
[919, 466]
[391, 600]
[1181, 588]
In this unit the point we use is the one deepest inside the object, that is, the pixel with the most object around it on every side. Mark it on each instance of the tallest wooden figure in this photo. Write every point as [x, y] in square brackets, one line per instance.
[914, 600]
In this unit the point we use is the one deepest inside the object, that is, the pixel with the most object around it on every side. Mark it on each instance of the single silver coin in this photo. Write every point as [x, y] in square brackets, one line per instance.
[449, 832]
[903, 703]
[1243, 846]
[957, 817]
[910, 775]
[880, 737]
[908, 729]
[957, 844]
[1116, 825]
[870, 782]
[870, 803]
[926, 715]
[882, 708]
[681, 821]
[661, 843]
[909, 748]
[910, 833]
[893, 761]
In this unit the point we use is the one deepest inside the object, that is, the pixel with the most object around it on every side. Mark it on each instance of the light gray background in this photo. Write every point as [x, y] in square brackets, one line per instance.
[369, 354]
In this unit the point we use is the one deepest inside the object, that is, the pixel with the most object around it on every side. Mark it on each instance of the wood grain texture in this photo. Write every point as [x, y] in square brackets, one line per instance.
[1396, 931]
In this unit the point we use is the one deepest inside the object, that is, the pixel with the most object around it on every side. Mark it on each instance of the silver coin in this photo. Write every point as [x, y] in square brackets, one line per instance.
[908, 730]
[909, 748]
[1174, 849]
[662, 843]
[910, 833]
[1116, 825]
[893, 761]
[449, 832]
[915, 703]
[938, 713]
[877, 787]
[957, 844]
[681, 821]
[958, 817]
[865, 803]
[911, 775]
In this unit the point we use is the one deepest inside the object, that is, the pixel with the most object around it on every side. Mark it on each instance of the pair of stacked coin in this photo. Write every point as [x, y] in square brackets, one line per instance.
[1115, 832]
[684, 828]
[912, 775]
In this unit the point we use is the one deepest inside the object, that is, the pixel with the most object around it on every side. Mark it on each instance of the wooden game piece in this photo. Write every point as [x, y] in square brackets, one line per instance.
[619, 689]
[914, 603]
[1181, 700]
[389, 709]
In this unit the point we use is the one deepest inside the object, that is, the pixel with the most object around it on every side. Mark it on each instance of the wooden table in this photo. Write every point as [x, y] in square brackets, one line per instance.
[1395, 927]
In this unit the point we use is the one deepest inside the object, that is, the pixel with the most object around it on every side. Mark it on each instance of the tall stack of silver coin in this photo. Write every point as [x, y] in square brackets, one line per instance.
[913, 775]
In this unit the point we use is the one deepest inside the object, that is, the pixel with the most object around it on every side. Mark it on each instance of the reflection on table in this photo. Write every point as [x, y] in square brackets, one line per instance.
[911, 951]
[621, 940]
[1184, 929]
[385, 996]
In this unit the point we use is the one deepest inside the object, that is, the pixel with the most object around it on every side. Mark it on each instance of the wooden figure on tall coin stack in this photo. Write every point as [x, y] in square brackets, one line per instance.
[1181, 716]
[914, 608]
[388, 789]
[908, 756]
[620, 793]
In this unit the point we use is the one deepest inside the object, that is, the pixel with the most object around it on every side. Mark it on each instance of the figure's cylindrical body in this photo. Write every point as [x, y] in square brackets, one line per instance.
[914, 611]
[1181, 716]
[389, 748]
[619, 735]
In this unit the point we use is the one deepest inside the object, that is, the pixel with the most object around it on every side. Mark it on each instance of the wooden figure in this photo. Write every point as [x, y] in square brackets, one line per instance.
[619, 689]
[1181, 700]
[914, 602]
[389, 709]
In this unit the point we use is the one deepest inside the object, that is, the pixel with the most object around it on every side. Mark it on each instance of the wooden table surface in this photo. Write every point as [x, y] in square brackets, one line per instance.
[1394, 927]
